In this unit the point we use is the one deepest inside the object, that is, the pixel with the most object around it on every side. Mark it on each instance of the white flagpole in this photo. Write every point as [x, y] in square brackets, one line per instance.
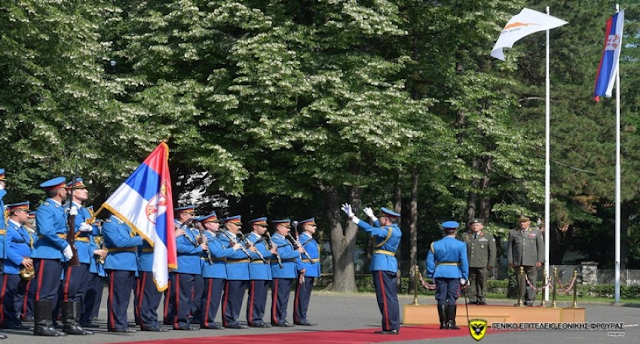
[547, 173]
[617, 235]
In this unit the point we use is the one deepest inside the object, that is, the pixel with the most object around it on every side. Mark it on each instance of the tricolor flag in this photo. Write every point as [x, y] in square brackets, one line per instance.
[609, 62]
[521, 25]
[145, 203]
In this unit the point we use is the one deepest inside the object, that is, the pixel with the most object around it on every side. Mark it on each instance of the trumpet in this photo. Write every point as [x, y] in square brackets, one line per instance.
[27, 273]
[100, 241]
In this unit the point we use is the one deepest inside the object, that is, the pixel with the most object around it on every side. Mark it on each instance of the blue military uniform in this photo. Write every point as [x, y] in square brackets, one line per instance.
[147, 296]
[447, 264]
[95, 286]
[260, 275]
[284, 277]
[3, 223]
[121, 267]
[237, 277]
[311, 265]
[27, 305]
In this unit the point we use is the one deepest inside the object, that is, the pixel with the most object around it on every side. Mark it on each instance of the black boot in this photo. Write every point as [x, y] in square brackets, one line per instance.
[451, 317]
[43, 324]
[69, 323]
[442, 315]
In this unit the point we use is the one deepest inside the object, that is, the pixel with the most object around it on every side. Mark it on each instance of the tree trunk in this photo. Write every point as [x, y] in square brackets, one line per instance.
[343, 242]
[485, 202]
[397, 207]
[473, 195]
[413, 230]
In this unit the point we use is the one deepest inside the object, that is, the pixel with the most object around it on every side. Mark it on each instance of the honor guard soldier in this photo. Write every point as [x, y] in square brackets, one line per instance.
[525, 250]
[447, 264]
[3, 220]
[76, 277]
[18, 268]
[27, 306]
[183, 278]
[481, 254]
[259, 273]
[147, 297]
[237, 274]
[384, 266]
[121, 267]
[283, 277]
[214, 270]
[95, 284]
[311, 267]
[50, 253]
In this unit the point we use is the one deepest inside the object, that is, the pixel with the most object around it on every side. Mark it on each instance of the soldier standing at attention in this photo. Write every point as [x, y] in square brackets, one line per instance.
[447, 264]
[481, 253]
[384, 266]
[525, 250]
[237, 274]
[259, 272]
[311, 266]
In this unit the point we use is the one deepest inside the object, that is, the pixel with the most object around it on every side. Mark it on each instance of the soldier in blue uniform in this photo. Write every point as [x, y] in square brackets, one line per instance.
[214, 270]
[18, 251]
[27, 305]
[447, 264]
[3, 220]
[284, 277]
[259, 273]
[147, 297]
[121, 266]
[50, 253]
[95, 284]
[384, 266]
[237, 274]
[184, 277]
[76, 277]
[311, 267]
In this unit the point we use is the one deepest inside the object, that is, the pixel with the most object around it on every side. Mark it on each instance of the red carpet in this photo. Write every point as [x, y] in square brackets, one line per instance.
[356, 336]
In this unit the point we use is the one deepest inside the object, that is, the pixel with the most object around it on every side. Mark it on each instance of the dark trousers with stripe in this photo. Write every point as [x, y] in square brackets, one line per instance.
[147, 298]
[301, 300]
[232, 301]
[196, 297]
[280, 291]
[181, 298]
[121, 284]
[92, 298]
[13, 291]
[169, 312]
[48, 272]
[387, 296]
[75, 282]
[447, 290]
[257, 301]
[211, 301]
[27, 304]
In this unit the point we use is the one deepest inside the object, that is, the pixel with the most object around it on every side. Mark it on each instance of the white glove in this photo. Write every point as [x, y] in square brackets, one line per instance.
[85, 227]
[369, 213]
[67, 252]
[463, 282]
[347, 210]
[73, 211]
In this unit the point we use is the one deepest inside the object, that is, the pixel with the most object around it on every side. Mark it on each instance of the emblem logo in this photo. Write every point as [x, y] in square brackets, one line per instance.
[157, 205]
[478, 328]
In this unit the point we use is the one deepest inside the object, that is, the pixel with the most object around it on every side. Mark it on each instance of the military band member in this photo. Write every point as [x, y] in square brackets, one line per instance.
[481, 254]
[3, 220]
[284, 277]
[311, 267]
[147, 297]
[214, 271]
[19, 247]
[384, 266]
[27, 304]
[259, 273]
[121, 267]
[50, 253]
[447, 264]
[525, 249]
[95, 285]
[237, 274]
[183, 279]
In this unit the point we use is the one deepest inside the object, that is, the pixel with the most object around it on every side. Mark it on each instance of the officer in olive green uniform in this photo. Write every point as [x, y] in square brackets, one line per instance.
[526, 250]
[481, 253]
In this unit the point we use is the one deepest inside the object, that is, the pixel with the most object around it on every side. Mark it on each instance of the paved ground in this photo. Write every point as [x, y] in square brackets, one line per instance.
[345, 311]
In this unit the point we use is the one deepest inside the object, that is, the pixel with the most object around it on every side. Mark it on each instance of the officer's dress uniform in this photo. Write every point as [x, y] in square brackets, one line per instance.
[76, 277]
[27, 303]
[122, 267]
[235, 285]
[481, 253]
[3, 228]
[184, 277]
[260, 275]
[147, 296]
[13, 286]
[95, 285]
[283, 279]
[384, 268]
[312, 271]
[447, 263]
[525, 249]
[214, 274]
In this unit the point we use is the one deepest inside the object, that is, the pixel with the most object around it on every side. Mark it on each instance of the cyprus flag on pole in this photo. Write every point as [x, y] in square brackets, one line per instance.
[525, 23]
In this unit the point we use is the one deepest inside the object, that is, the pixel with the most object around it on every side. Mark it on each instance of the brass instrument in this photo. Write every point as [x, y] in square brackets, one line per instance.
[202, 238]
[27, 273]
[100, 241]
[233, 242]
[277, 255]
[251, 244]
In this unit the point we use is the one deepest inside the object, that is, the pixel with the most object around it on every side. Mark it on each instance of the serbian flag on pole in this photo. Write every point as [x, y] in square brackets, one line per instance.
[608, 68]
[523, 24]
[145, 203]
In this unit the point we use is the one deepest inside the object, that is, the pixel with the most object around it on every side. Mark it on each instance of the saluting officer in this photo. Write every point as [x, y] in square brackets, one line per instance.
[526, 250]
[311, 267]
[259, 273]
[284, 277]
[447, 264]
[384, 266]
[237, 274]
[481, 253]
[50, 253]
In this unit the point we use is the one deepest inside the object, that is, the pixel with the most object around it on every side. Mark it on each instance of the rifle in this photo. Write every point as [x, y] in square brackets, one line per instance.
[250, 243]
[294, 240]
[71, 223]
[233, 242]
[203, 238]
[277, 255]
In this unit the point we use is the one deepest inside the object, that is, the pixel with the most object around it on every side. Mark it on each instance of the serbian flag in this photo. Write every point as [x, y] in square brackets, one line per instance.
[608, 68]
[145, 203]
[523, 24]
